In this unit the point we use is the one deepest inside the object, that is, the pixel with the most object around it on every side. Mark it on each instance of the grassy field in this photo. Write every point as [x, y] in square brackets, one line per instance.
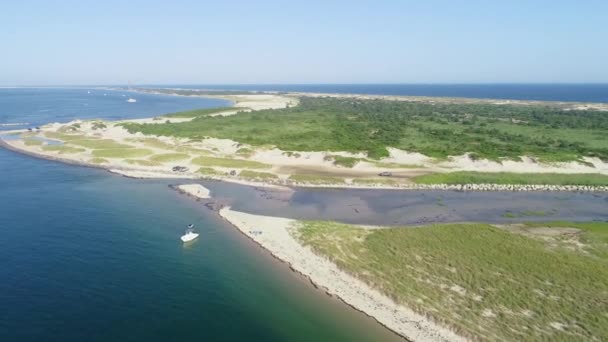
[256, 175]
[467, 177]
[142, 162]
[169, 157]
[122, 153]
[98, 144]
[316, 179]
[433, 129]
[202, 112]
[374, 181]
[210, 171]
[229, 163]
[153, 142]
[32, 142]
[62, 149]
[98, 161]
[345, 161]
[485, 282]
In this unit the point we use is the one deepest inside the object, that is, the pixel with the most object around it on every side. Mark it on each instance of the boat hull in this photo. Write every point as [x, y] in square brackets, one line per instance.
[189, 237]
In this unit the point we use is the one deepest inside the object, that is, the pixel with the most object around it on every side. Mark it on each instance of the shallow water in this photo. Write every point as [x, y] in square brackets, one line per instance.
[398, 207]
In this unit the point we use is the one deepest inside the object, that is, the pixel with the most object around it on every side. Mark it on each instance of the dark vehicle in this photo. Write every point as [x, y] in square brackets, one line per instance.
[179, 169]
[385, 174]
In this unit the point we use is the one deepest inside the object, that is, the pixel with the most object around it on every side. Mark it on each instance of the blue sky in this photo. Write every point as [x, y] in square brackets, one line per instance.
[228, 42]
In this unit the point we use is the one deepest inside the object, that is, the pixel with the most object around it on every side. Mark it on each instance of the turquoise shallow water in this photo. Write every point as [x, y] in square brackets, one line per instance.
[89, 256]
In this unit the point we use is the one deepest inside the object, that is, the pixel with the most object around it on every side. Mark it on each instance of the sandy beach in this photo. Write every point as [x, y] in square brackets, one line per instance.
[273, 234]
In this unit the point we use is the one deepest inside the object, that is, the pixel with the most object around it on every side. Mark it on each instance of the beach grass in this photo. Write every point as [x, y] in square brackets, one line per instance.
[64, 136]
[484, 282]
[122, 153]
[229, 163]
[345, 161]
[98, 144]
[62, 149]
[154, 143]
[256, 175]
[384, 165]
[208, 171]
[32, 142]
[168, 157]
[375, 181]
[143, 162]
[98, 161]
[469, 177]
[316, 179]
[202, 112]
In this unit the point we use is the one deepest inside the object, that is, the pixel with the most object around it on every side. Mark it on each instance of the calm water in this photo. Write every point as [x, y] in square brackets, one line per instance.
[89, 256]
[37, 106]
[542, 92]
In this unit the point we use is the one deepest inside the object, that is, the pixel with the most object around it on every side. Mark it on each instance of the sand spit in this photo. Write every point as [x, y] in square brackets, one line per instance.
[195, 190]
[273, 234]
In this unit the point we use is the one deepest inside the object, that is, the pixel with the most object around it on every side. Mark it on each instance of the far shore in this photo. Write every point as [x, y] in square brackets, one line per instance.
[100, 144]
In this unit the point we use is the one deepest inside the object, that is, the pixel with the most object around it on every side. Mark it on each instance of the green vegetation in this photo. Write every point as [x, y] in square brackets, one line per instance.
[485, 282]
[469, 177]
[397, 166]
[292, 154]
[62, 149]
[122, 153]
[209, 171]
[229, 163]
[169, 157]
[98, 143]
[345, 161]
[374, 181]
[434, 129]
[63, 137]
[202, 112]
[316, 179]
[257, 175]
[154, 143]
[32, 142]
[98, 161]
[245, 152]
[98, 125]
[142, 162]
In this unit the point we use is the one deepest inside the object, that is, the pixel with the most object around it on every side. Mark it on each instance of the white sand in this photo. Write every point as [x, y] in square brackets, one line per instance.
[195, 190]
[276, 238]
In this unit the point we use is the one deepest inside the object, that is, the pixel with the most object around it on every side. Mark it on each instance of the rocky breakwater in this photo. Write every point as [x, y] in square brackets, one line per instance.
[506, 187]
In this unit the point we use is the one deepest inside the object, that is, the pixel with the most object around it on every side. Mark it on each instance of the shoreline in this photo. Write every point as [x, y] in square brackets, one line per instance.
[282, 165]
[580, 105]
[157, 174]
[272, 235]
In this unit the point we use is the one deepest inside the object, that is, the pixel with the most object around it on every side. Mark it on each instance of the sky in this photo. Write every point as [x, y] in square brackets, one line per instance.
[301, 42]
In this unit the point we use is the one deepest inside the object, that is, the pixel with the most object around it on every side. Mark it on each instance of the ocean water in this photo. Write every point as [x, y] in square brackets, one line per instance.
[90, 256]
[541, 92]
[37, 106]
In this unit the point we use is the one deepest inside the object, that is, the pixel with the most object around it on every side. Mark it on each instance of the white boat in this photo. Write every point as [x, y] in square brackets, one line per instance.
[190, 234]
[131, 100]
